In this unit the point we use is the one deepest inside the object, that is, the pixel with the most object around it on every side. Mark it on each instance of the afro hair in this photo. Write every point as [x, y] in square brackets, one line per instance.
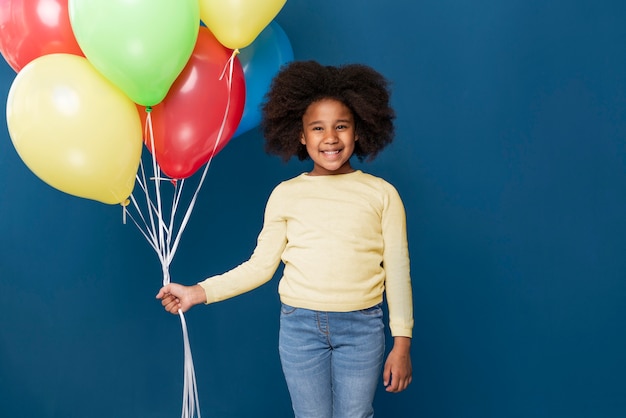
[300, 83]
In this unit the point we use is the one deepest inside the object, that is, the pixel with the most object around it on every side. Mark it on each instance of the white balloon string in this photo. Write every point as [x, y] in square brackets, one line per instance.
[150, 208]
[185, 220]
[230, 65]
[159, 234]
[162, 229]
[145, 229]
[145, 233]
[178, 191]
[191, 402]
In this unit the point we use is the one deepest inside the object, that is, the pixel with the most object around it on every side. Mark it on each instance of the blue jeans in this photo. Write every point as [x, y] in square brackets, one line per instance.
[332, 361]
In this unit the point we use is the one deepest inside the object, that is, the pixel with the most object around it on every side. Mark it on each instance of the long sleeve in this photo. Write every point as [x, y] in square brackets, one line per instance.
[397, 267]
[261, 266]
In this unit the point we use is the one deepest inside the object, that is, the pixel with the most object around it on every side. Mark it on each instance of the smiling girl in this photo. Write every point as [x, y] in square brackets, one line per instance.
[341, 235]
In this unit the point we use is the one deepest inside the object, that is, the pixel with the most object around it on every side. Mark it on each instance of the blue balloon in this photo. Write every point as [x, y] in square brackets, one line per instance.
[261, 60]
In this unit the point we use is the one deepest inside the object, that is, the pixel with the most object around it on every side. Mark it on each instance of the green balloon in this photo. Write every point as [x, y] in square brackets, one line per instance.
[141, 46]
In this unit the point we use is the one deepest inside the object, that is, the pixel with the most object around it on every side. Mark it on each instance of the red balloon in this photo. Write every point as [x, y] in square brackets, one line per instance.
[186, 124]
[30, 29]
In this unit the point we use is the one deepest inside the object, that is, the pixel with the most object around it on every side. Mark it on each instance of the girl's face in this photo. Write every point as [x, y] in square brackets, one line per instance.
[328, 134]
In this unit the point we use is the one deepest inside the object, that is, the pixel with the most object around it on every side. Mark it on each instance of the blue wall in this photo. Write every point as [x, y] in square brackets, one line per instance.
[511, 158]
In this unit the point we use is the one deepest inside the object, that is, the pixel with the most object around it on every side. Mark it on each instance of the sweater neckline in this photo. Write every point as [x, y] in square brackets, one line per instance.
[331, 176]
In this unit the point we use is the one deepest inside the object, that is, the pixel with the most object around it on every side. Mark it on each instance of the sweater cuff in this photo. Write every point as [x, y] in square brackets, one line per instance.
[210, 297]
[402, 332]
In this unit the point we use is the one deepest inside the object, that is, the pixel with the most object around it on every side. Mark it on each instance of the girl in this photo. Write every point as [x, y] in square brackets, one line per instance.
[341, 234]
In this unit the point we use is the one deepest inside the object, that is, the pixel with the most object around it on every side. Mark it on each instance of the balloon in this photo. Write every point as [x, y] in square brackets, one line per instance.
[261, 61]
[236, 23]
[187, 122]
[140, 45]
[34, 28]
[74, 129]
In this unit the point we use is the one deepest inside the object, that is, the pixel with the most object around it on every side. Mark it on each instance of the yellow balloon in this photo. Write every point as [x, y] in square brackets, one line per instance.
[74, 129]
[236, 23]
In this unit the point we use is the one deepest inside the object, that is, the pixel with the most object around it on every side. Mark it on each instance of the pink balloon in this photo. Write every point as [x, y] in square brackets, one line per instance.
[32, 28]
[186, 124]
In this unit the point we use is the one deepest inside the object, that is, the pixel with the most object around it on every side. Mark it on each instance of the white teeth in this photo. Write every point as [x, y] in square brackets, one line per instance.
[331, 152]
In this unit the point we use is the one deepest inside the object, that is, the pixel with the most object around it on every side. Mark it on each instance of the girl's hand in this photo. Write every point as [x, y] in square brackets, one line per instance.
[398, 372]
[175, 297]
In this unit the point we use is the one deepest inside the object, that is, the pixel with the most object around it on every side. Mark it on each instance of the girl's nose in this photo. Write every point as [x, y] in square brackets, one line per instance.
[331, 137]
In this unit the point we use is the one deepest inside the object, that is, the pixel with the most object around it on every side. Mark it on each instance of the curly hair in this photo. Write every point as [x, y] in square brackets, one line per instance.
[298, 84]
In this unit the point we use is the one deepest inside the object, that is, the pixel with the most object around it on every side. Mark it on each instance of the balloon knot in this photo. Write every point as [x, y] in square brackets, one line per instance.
[148, 109]
[125, 202]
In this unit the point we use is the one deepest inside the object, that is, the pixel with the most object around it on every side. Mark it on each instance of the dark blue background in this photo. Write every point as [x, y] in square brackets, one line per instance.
[511, 159]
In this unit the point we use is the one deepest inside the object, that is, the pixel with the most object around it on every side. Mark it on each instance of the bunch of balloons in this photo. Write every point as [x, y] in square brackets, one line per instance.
[98, 79]
[90, 72]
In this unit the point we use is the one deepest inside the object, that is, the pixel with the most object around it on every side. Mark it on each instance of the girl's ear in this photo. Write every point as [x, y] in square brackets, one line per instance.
[302, 140]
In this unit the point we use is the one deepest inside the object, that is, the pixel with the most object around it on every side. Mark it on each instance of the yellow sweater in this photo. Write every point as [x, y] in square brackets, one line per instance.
[342, 239]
